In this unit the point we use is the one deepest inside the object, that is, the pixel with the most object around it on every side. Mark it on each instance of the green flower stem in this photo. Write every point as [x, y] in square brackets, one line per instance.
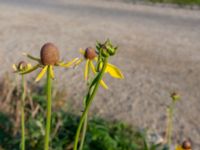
[88, 104]
[83, 132]
[22, 114]
[48, 117]
[86, 117]
[170, 124]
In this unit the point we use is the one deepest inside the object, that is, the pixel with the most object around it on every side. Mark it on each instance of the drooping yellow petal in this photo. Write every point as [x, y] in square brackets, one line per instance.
[14, 67]
[60, 63]
[103, 84]
[52, 72]
[92, 67]
[86, 69]
[78, 62]
[41, 74]
[81, 51]
[114, 71]
[30, 69]
[69, 64]
[179, 148]
[32, 57]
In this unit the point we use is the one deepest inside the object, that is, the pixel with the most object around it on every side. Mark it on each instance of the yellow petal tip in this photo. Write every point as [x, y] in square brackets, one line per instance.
[114, 71]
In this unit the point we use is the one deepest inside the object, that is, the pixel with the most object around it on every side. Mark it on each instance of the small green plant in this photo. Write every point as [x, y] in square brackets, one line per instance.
[49, 57]
[104, 51]
[22, 66]
[63, 131]
[101, 133]
[170, 114]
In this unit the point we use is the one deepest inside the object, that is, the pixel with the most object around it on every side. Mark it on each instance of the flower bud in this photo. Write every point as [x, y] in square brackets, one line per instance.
[90, 53]
[175, 96]
[106, 49]
[49, 54]
[22, 65]
[186, 145]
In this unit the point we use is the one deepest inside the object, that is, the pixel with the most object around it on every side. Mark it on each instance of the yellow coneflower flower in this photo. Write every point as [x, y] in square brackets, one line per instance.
[186, 145]
[49, 57]
[21, 66]
[104, 51]
[91, 55]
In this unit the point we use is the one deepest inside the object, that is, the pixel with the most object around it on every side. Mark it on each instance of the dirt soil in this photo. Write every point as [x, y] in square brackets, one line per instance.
[159, 52]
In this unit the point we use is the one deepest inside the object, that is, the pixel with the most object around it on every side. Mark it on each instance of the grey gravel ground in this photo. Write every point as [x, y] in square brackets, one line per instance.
[159, 52]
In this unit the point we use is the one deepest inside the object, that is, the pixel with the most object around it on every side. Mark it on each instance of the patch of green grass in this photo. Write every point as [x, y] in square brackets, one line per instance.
[101, 134]
[179, 2]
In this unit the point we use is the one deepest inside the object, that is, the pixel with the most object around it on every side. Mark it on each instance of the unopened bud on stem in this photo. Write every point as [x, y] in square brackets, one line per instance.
[22, 65]
[175, 96]
[106, 49]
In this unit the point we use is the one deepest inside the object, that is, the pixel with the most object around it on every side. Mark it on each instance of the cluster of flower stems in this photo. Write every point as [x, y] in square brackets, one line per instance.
[49, 58]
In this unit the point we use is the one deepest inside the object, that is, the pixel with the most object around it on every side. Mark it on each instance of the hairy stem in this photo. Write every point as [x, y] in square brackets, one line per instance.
[48, 115]
[88, 103]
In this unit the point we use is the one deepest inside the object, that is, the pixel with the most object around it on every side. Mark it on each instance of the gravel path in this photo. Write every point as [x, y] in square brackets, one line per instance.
[159, 52]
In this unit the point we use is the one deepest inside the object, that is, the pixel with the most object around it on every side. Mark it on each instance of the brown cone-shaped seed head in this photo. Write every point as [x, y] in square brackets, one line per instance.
[49, 54]
[90, 53]
[22, 65]
[186, 145]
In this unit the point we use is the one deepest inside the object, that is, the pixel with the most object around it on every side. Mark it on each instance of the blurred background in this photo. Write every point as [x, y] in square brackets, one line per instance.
[159, 53]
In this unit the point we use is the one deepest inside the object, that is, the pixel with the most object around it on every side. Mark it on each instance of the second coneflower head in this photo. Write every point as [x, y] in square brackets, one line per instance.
[90, 55]
[49, 57]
